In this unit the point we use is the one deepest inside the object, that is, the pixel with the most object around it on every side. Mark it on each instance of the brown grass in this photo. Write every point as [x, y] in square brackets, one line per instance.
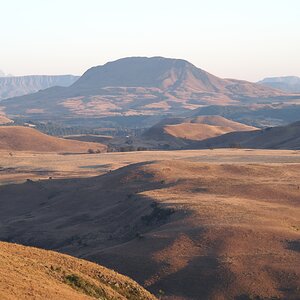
[195, 132]
[31, 273]
[194, 129]
[17, 138]
[225, 226]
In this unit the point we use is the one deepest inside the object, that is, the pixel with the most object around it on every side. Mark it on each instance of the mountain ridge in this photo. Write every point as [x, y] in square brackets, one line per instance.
[13, 86]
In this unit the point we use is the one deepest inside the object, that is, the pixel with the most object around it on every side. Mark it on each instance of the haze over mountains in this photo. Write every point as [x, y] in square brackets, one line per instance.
[13, 86]
[286, 83]
[140, 86]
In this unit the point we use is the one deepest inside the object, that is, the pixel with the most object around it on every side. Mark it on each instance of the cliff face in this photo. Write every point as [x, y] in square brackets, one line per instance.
[22, 85]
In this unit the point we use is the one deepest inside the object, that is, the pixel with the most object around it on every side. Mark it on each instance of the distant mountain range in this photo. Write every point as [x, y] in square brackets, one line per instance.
[140, 86]
[286, 83]
[22, 85]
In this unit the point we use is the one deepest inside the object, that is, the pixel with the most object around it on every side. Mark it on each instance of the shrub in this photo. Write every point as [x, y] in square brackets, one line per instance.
[91, 151]
[84, 286]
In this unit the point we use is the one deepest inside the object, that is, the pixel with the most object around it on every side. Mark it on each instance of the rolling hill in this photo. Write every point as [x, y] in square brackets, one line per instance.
[188, 229]
[281, 137]
[18, 138]
[22, 85]
[196, 129]
[140, 86]
[176, 133]
[31, 273]
[289, 84]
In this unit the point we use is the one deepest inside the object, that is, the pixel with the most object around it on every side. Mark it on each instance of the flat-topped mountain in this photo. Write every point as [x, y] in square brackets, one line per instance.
[285, 83]
[22, 85]
[32, 273]
[140, 86]
[18, 138]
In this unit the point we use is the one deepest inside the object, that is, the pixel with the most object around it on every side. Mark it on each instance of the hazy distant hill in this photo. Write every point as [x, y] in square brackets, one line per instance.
[282, 137]
[140, 86]
[22, 85]
[285, 83]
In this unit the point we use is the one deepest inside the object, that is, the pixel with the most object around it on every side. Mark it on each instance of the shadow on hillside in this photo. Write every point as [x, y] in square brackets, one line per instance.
[294, 245]
[68, 214]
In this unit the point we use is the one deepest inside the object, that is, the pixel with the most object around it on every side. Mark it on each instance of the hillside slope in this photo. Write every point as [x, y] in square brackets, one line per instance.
[140, 86]
[31, 273]
[192, 230]
[4, 120]
[22, 85]
[204, 127]
[281, 137]
[18, 138]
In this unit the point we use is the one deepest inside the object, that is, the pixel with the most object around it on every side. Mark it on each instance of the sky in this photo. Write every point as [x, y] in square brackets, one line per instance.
[243, 39]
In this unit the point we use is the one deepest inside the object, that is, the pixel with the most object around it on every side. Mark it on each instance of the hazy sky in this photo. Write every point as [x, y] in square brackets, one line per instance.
[246, 39]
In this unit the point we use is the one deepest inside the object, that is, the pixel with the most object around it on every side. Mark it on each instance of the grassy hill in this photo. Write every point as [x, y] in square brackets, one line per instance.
[18, 138]
[281, 137]
[176, 133]
[32, 273]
